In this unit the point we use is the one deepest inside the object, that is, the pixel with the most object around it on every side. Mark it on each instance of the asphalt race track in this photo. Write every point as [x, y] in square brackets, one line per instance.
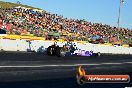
[35, 70]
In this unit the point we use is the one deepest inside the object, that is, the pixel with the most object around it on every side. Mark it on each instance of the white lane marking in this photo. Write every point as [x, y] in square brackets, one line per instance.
[88, 64]
[128, 62]
[60, 65]
[111, 63]
[39, 66]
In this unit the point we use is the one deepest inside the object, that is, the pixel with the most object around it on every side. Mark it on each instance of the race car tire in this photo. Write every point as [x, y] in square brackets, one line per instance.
[60, 52]
[2, 50]
[53, 51]
[50, 51]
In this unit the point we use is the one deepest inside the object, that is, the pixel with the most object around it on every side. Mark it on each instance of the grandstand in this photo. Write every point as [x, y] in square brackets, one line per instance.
[21, 22]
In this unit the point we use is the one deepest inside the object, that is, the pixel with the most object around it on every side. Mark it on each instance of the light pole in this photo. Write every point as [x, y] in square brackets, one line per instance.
[119, 15]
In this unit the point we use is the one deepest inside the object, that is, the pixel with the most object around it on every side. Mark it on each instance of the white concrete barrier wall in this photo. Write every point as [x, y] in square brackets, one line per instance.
[125, 50]
[0, 44]
[130, 50]
[89, 47]
[22, 45]
[40, 46]
[9, 45]
[103, 49]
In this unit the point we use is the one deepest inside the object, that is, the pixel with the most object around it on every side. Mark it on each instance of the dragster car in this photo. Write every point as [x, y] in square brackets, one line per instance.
[68, 49]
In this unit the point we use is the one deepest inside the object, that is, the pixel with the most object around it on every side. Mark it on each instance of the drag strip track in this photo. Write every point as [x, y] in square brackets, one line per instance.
[20, 68]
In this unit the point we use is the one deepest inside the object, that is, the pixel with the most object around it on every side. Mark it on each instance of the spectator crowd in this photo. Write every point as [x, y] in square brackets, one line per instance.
[26, 21]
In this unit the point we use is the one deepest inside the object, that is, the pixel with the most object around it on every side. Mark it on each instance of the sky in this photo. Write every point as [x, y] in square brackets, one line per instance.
[96, 11]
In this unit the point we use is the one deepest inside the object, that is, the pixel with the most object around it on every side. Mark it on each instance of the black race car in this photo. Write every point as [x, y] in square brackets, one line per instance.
[68, 50]
[55, 50]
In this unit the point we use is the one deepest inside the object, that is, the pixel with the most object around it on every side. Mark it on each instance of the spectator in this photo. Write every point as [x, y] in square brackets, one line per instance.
[20, 20]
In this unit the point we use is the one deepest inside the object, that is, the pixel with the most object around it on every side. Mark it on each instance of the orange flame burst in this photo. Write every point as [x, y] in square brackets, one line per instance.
[81, 71]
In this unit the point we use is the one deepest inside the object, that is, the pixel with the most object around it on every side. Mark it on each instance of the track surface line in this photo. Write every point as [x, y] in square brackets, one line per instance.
[60, 65]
